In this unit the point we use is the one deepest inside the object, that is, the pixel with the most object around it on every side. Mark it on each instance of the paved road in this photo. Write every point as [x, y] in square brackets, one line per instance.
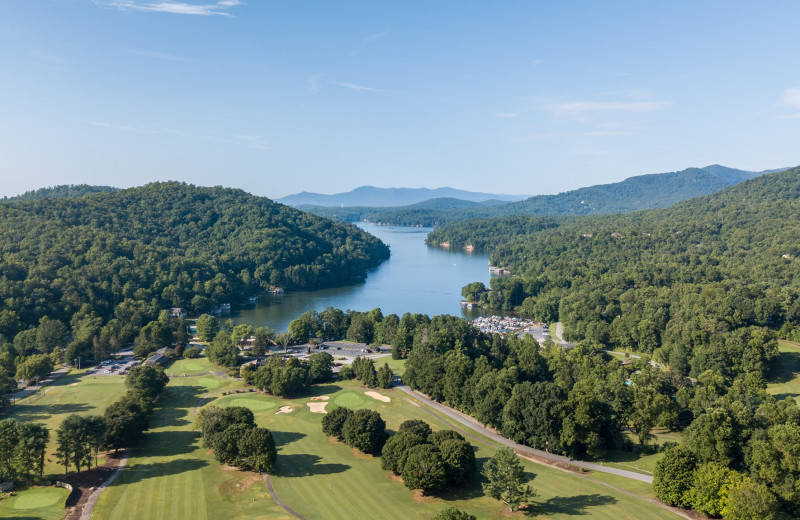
[21, 394]
[476, 426]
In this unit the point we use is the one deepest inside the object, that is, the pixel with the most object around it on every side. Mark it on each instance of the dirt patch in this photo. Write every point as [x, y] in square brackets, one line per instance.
[320, 398]
[73, 384]
[86, 481]
[284, 409]
[553, 463]
[238, 485]
[378, 397]
[318, 407]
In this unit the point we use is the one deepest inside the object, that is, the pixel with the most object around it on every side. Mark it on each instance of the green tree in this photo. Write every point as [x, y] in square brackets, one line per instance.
[709, 489]
[35, 368]
[207, 327]
[459, 460]
[125, 421]
[748, 500]
[424, 469]
[263, 338]
[320, 367]
[673, 476]
[31, 448]
[395, 452]
[505, 479]
[222, 351]
[9, 439]
[385, 376]
[257, 450]
[147, 380]
[365, 430]
[333, 421]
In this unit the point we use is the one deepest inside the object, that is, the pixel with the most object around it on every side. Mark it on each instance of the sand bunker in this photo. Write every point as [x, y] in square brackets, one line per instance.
[73, 384]
[379, 397]
[318, 407]
[284, 409]
[320, 398]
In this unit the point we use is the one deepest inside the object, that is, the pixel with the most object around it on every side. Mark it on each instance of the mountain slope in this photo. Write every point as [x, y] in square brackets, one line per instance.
[134, 251]
[62, 191]
[371, 196]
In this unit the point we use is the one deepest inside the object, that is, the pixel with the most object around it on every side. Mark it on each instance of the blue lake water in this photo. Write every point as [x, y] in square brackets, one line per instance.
[416, 278]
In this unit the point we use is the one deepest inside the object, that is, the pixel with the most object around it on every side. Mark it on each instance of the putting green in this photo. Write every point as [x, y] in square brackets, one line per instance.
[40, 497]
[349, 399]
[249, 402]
[210, 382]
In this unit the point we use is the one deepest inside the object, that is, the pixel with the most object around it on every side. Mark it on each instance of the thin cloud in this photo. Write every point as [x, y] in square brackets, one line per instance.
[313, 82]
[558, 135]
[362, 88]
[579, 108]
[377, 36]
[158, 55]
[790, 98]
[218, 8]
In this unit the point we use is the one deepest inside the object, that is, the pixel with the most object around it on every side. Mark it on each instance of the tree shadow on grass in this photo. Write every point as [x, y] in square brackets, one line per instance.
[304, 465]
[572, 506]
[33, 412]
[284, 438]
[166, 443]
[139, 472]
[785, 367]
[322, 389]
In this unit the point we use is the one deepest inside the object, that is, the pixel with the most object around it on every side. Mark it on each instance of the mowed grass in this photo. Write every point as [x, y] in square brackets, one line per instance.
[190, 367]
[43, 503]
[172, 477]
[784, 379]
[325, 479]
[76, 392]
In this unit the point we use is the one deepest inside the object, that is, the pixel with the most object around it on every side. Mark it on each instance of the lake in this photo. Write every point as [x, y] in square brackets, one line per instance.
[416, 278]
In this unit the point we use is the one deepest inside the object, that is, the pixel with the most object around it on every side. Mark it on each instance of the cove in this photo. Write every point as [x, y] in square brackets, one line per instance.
[416, 278]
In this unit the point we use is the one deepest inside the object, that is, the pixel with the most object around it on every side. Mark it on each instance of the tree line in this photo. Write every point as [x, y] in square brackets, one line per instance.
[103, 266]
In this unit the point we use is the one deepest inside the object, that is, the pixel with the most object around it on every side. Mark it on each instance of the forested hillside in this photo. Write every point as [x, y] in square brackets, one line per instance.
[62, 191]
[695, 283]
[658, 190]
[106, 264]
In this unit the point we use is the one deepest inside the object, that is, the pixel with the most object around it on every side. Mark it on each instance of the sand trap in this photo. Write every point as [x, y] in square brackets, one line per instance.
[318, 407]
[73, 384]
[379, 397]
[284, 409]
[320, 398]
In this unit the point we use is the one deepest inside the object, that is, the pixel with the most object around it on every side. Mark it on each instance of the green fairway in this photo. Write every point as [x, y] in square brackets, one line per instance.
[77, 392]
[784, 380]
[172, 477]
[190, 367]
[44, 503]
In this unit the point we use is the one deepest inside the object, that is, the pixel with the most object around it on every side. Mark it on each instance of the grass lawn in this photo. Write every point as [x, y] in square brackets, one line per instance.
[398, 366]
[190, 367]
[321, 478]
[172, 477]
[76, 392]
[785, 378]
[41, 503]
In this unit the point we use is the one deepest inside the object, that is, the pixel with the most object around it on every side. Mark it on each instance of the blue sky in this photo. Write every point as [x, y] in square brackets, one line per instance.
[280, 97]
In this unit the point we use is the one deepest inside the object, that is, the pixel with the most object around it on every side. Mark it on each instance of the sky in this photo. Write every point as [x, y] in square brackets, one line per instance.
[278, 97]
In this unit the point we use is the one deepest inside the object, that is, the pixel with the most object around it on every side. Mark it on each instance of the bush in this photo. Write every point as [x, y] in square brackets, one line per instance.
[191, 352]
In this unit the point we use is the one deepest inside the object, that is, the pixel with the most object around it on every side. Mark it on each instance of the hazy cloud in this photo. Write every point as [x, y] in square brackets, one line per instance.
[506, 115]
[578, 108]
[377, 36]
[218, 8]
[790, 98]
[248, 141]
[557, 135]
[313, 82]
[158, 55]
[362, 88]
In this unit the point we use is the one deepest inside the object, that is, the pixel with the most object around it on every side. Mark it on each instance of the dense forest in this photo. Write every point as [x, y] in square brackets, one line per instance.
[69, 191]
[100, 267]
[658, 190]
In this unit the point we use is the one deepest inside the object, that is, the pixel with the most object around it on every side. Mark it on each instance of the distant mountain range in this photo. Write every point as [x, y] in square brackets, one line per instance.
[390, 197]
[658, 190]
